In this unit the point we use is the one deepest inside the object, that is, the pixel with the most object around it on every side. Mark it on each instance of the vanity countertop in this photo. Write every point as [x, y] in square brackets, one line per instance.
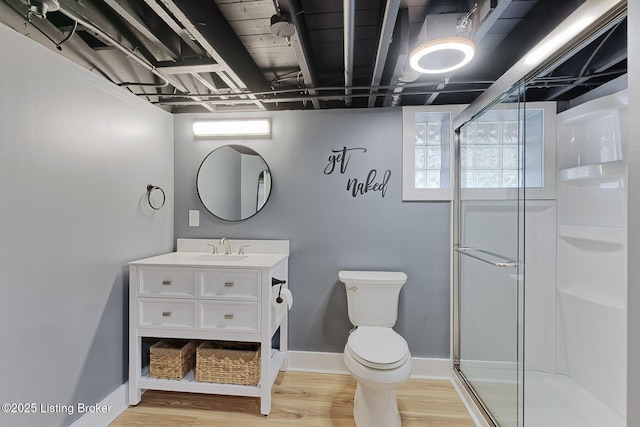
[205, 259]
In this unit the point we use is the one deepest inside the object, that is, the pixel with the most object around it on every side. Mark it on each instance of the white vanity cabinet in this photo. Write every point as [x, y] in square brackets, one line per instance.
[199, 296]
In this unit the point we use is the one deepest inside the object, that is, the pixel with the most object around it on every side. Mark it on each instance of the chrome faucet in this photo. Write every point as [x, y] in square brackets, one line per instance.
[227, 245]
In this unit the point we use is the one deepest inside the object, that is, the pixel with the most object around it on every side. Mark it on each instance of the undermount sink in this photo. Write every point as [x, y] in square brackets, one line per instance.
[218, 257]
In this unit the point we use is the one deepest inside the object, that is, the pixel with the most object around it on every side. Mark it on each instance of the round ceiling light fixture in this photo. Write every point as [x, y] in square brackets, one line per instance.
[281, 26]
[442, 55]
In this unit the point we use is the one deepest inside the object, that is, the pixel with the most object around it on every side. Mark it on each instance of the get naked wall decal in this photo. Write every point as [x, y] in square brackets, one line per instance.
[341, 158]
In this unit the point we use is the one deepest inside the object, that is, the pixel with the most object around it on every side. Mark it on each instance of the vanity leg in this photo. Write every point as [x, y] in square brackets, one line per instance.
[135, 371]
[284, 341]
[265, 373]
[265, 403]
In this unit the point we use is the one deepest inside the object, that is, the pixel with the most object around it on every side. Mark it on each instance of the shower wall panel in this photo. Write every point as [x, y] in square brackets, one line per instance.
[592, 248]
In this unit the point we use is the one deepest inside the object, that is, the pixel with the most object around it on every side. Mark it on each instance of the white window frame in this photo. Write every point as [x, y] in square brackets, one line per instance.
[410, 193]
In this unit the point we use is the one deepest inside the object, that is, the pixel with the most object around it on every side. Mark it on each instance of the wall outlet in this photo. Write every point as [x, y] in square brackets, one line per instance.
[194, 218]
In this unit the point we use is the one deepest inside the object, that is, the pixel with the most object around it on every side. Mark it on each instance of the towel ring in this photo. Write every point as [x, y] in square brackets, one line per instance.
[150, 189]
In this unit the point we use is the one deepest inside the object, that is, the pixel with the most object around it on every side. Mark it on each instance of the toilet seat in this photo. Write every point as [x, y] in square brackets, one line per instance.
[377, 347]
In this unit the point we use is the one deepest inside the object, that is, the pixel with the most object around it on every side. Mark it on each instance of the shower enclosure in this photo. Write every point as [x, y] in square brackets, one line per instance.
[490, 234]
[540, 251]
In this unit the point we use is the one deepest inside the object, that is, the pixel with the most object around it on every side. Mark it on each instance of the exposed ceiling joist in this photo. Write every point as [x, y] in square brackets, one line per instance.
[301, 46]
[179, 30]
[217, 38]
[388, 24]
[400, 47]
[158, 39]
[216, 55]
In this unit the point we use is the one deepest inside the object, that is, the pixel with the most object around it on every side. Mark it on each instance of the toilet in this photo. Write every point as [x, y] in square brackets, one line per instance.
[375, 355]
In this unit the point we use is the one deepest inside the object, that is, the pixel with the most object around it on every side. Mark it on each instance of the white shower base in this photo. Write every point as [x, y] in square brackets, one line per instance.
[550, 400]
[558, 401]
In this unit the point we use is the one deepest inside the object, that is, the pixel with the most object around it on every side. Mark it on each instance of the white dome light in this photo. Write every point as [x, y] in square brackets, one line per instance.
[460, 48]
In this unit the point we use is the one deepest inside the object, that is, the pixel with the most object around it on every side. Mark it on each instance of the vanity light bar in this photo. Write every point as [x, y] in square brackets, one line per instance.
[233, 128]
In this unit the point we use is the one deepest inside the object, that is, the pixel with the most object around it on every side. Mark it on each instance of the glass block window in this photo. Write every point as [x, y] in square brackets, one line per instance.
[431, 148]
[490, 156]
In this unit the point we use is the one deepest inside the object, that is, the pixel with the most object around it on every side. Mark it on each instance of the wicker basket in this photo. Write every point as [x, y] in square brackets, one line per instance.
[171, 359]
[227, 362]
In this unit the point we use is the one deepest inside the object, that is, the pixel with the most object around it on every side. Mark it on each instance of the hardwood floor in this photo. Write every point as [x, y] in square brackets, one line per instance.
[299, 399]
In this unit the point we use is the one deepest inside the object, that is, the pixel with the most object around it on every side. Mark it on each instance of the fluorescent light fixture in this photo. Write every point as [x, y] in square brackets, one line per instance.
[546, 48]
[233, 128]
[442, 55]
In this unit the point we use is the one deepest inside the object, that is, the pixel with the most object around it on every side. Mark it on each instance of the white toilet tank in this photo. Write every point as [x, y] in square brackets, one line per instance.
[372, 296]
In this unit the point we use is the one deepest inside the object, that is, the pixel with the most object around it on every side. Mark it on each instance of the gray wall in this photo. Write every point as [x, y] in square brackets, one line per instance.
[331, 230]
[76, 154]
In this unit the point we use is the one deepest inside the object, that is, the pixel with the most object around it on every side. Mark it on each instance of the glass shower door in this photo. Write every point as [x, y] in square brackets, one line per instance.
[489, 254]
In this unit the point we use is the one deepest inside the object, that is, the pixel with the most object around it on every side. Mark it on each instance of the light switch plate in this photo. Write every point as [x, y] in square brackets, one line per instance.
[194, 218]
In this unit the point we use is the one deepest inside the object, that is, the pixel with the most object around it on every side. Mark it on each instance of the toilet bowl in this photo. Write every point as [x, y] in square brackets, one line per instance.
[375, 355]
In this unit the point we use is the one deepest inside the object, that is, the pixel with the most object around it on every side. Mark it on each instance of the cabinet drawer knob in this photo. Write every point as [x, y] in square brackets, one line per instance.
[166, 314]
[228, 316]
[228, 284]
[166, 282]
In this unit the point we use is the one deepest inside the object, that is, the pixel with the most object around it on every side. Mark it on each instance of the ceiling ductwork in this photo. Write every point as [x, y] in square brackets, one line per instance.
[489, 22]
[435, 27]
[222, 55]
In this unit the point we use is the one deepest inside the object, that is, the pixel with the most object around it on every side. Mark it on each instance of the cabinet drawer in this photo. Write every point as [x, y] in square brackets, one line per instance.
[166, 313]
[229, 284]
[166, 282]
[229, 316]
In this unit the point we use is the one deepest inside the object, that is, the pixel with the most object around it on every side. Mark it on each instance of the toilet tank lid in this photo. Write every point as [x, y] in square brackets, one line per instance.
[380, 277]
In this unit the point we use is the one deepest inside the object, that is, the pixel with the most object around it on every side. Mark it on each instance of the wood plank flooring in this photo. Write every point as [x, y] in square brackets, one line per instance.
[299, 399]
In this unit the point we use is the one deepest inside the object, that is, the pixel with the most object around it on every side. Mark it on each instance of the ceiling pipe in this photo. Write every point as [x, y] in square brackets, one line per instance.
[166, 81]
[419, 85]
[388, 24]
[306, 98]
[400, 47]
[123, 49]
[349, 30]
[302, 46]
[213, 25]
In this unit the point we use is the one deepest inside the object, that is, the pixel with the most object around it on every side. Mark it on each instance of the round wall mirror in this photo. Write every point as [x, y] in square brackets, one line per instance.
[233, 182]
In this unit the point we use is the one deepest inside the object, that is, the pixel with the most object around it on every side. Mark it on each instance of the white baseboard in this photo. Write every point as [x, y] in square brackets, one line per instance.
[114, 404]
[332, 363]
[315, 361]
[302, 361]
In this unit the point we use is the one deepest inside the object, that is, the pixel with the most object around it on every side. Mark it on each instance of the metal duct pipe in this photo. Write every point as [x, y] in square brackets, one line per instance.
[131, 54]
[349, 29]
[120, 47]
[388, 24]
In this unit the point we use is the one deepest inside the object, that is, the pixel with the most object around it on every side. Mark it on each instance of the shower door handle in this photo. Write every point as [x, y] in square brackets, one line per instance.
[482, 255]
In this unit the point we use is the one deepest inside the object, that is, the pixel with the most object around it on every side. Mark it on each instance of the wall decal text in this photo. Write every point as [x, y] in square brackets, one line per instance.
[357, 187]
[342, 157]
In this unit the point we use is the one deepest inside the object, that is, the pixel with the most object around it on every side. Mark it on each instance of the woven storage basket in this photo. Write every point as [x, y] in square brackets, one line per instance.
[171, 359]
[228, 362]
